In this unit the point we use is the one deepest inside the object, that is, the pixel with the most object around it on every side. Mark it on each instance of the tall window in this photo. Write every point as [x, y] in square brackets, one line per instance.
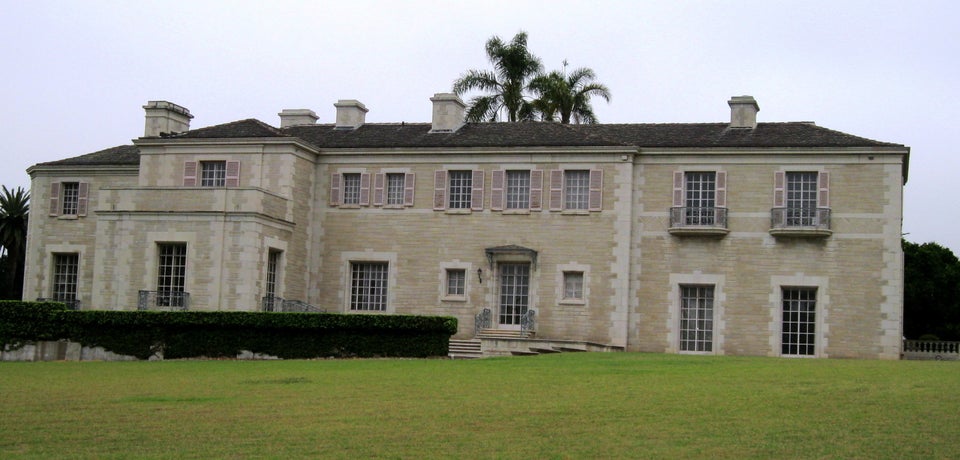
[801, 198]
[171, 274]
[456, 282]
[518, 189]
[395, 188]
[514, 292]
[573, 285]
[213, 173]
[65, 272]
[696, 318]
[351, 188]
[368, 286]
[799, 324]
[273, 267]
[71, 198]
[576, 189]
[700, 195]
[461, 189]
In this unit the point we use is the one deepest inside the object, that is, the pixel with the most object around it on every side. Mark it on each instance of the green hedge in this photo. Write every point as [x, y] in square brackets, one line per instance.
[224, 334]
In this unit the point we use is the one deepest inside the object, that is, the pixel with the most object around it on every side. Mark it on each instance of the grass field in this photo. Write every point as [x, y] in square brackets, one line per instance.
[577, 405]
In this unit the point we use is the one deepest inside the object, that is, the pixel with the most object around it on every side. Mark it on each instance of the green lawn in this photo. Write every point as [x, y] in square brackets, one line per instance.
[576, 405]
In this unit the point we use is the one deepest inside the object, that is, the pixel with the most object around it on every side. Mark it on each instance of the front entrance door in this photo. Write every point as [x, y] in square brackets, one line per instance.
[514, 294]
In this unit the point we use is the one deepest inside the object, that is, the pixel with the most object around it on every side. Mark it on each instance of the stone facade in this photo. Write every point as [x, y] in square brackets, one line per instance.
[361, 218]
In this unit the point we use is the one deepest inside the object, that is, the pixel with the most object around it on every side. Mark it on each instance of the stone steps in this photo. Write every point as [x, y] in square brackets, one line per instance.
[464, 349]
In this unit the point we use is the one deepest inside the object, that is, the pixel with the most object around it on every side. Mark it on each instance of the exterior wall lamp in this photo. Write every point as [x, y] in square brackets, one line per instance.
[480, 275]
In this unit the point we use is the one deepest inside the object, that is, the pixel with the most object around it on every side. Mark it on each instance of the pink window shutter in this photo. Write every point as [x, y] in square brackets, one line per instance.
[409, 185]
[378, 181]
[232, 178]
[536, 190]
[596, 190]
[824, 195]
[476, 197]
[556, 190]
[55, 199]
[496, 190]
[779, 189]
[335, 179]
[364, 189]
[677, 189]
[83, 190]
[721, 197]
[189, 173]
[439, 190]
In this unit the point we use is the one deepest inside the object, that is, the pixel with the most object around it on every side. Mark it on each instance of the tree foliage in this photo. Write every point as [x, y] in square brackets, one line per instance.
[518, 90]
[14, 214]
[567, 97]
[931, 302]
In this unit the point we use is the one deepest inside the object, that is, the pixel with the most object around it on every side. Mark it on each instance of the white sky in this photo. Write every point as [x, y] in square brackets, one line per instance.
[78, 73]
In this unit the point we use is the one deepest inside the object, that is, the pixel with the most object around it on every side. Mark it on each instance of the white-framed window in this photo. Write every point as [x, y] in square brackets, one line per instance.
[518, 190]
[573, 285]
[395, 188]
[456, 282]
[351, 188]
[171, 273]
[368, 286]
[801, 198]
[461, 189]
[65, 276]
[576, 189]
[273, 270]
[213, 173]
[69, 199]
[696, 318]
[798, 321]
[697, 195]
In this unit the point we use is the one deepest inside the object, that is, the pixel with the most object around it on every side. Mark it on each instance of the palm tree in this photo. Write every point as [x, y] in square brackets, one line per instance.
[513, 67]
[14, 212]
[567, 96]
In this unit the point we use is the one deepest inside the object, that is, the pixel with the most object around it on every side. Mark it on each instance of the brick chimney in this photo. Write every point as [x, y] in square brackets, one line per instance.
[297, 117]
[350, 113]
[448, 112]
[164, 117]
[743, 112]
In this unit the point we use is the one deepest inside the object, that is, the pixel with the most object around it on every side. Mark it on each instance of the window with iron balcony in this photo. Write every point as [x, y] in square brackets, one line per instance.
[801, 204]
[699, 203]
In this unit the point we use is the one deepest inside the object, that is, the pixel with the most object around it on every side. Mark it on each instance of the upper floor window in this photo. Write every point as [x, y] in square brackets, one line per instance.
[458, 190]
[211, 173]
[801, 201]
[517, 190]
[69, 198]
[699, 199]
[351, 188]
[576, 189]
[392, 189]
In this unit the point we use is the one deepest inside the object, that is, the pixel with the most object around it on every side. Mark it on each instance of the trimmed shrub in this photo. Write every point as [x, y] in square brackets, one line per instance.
[225, 334]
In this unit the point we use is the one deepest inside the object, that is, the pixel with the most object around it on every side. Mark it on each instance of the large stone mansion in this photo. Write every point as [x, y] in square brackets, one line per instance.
[741, 238]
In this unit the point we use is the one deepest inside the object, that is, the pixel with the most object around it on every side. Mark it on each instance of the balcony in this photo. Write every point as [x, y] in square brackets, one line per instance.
[685, 220]
[800, 222]
[163, 300]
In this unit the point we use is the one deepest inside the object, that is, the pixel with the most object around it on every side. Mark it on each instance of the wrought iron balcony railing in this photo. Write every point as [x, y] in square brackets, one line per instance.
[695, 220]
[800, 221]
[278, 304]
[163, 300]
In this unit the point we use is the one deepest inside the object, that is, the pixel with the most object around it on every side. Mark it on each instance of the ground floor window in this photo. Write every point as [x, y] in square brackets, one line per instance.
[799, 321]
[368, 286]
[171, 274]
[65, 273]
[456, 282]
[696, 318]
[573, 285]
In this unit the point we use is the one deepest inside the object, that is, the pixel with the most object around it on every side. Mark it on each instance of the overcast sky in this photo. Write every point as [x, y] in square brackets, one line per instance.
[78, 73]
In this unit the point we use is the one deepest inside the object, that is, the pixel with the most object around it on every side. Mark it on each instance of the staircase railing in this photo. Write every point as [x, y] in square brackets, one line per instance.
[528, 322]
[484, 320]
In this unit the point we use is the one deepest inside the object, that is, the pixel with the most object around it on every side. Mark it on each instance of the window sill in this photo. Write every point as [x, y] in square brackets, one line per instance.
[572, 302]
[68, 217]
[516, 211]
[575, 212]
[453, 299]
[458, 211]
